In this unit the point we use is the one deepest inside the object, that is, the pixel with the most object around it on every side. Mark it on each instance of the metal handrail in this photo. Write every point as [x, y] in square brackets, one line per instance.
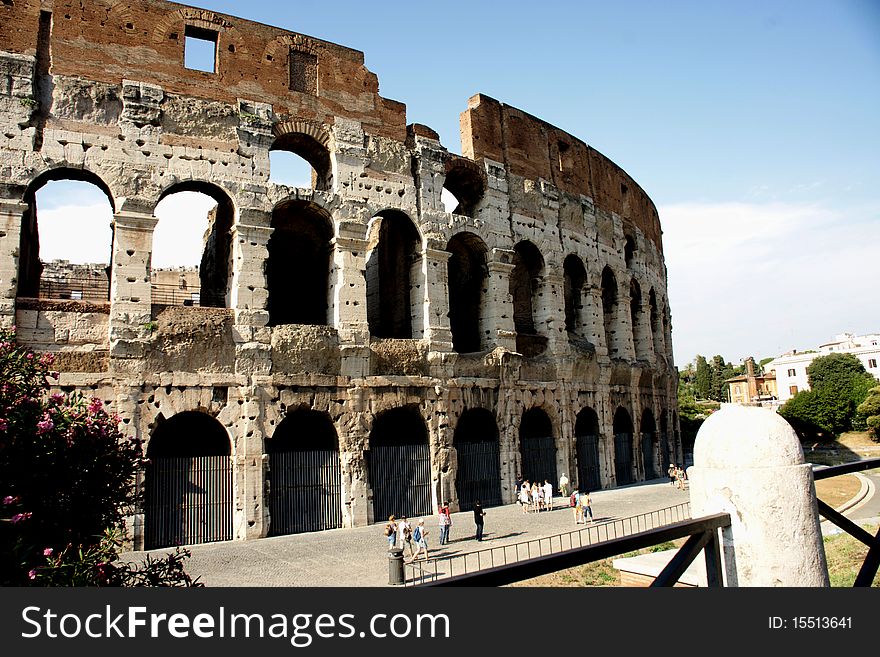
[75, 288]
[502, 555]
[166, 294]
[702, 533]
[871, 564]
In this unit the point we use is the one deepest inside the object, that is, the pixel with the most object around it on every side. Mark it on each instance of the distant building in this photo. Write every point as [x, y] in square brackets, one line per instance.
[752, 389]
[791, 368]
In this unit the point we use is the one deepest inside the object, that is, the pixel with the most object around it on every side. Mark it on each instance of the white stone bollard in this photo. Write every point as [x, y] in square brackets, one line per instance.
[748, 462]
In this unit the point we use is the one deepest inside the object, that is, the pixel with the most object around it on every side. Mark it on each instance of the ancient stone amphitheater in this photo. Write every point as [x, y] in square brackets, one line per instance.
[354, 349]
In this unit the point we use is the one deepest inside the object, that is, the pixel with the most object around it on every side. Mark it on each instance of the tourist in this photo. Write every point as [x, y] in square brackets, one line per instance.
[391, 532]
[578, 509]
[420, 537]
[445, 522]
[524, 497]
[563, 485]
[479, 515]
[404, 535]
[671, 472]
[536, 497]
[548, 495]
[587, 506]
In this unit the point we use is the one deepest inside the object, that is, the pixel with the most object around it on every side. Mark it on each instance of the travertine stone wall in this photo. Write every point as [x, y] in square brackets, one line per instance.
[97, 91]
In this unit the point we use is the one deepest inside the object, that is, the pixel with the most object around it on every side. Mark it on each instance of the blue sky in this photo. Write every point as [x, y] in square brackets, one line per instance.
[752, 125]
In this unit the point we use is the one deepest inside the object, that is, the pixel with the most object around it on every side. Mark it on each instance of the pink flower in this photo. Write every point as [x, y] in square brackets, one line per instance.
[32, 574]
[57, 397]
[95, 405]
[48, 552]
[9, 500]
[4, 425]
[45, 425]
[19, 517]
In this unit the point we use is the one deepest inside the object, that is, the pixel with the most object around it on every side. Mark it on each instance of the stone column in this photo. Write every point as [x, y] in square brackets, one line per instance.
[497, 320]
[643, 341]
[748, 462]
[594, 321]
[11, 213]
[250, 252]
[436, 303]
[550, 314]
[622, 321]
[349, 305]
[130, 289]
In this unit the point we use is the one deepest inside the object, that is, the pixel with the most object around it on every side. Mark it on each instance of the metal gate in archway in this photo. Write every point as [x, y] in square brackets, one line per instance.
[623, 458]
[305, 491]
[400, 476]
[478, 476]
[648, 455]
[539, 459]
[188, 500]
[588, 462]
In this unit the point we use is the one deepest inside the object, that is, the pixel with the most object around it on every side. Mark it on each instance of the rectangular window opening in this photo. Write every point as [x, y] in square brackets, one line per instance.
[872, 363]
[303, 72]
[791, 373]
[200, 49]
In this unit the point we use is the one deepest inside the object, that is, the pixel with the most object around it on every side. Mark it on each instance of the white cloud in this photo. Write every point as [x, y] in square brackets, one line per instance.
[759, 279]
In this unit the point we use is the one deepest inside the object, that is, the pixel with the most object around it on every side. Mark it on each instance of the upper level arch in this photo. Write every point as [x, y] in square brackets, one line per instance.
[575, 278]
[311, 143]
[466, 181]
[298, 267]
[395, 286]
[467, 272]
[525, 288]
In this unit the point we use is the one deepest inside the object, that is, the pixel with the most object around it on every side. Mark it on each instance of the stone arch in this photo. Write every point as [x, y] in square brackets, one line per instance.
[650, 444]
[525, 286]
[399, 463]
[299, 262]
[629, 250]
[609, 310]
[215, 266]
[466, 181]
[188, 483]
[537, 446]
[623, 447]
[467, 273]
[575, 278]
[310, 142]
[30, 267]
[394, 277]
[586, 431]
[478, 476]
[304, 475]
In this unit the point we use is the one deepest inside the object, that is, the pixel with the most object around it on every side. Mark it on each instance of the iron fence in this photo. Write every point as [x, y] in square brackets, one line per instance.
[470, 563]
[75, 288]
[166, 294]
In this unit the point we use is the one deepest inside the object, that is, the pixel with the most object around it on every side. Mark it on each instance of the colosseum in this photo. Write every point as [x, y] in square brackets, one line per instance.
[353, 349]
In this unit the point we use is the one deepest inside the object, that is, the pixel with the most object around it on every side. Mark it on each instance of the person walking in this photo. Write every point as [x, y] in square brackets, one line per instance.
[479, 515]
[548, 495]
[563, 485]
[524, 497]
[578, 509]
[445, 522]
[420, 537]
[391, 532]
[587, 504]
[404, 535]
[671, 472]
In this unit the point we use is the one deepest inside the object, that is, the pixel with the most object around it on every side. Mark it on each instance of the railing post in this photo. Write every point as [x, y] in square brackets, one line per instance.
[748, 462]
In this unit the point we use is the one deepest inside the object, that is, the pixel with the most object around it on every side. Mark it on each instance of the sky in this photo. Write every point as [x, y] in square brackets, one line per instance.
[753, 126]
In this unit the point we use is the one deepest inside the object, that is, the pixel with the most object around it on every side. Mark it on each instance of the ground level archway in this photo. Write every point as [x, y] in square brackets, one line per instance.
[476, 444]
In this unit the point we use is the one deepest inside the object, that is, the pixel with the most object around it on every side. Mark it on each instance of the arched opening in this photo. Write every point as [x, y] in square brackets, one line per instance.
[188, 482]
[609, 304]
[400, 464]
[649, 444]
[635, 312]
[575, 277]
[304, 477]
[525, 285]
[464, 187]
[664, 442]
[623, 447]
[586, 431]
[467, 274]
[306, 147]
[537, 447]
[286, 168]
[629, 250]
[66, 237]
[656, 335]
[191, 260]
[298, 268]
[476, 445]
[394, 278]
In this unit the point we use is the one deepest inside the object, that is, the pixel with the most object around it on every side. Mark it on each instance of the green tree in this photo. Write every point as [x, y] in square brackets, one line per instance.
[721, 371]
[702, 379]
[869, 412]
[839, 383]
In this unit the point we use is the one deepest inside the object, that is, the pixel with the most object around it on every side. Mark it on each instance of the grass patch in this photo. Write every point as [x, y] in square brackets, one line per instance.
[845, 555]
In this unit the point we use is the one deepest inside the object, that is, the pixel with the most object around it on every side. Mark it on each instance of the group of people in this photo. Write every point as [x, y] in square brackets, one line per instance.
[534, 496]
[402, 534]
[582, 505]
[677, 476]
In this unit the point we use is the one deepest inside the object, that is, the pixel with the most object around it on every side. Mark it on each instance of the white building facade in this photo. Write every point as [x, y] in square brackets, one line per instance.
[791, 368]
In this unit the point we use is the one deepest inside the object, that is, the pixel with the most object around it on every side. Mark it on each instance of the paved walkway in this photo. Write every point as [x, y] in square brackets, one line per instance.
[358, 556]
